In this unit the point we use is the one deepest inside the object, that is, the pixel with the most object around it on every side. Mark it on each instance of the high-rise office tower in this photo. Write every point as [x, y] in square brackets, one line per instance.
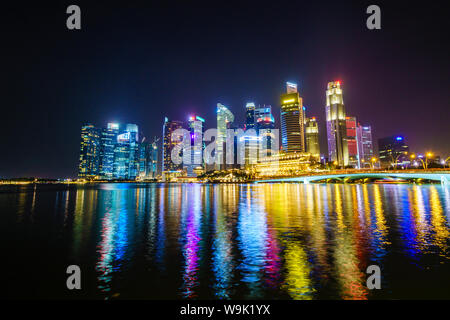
[152, 163]
[196, 129]
[264, 117]
[365, 144]
[108, 144]
[292, 120]
[393, 151]
[265, 124]
[336, 124]
[126, 153]
[168, 144]
[224, 119]
[249, 115]
[352, 142]
[89, 165]
[144, 150]
[312, 137]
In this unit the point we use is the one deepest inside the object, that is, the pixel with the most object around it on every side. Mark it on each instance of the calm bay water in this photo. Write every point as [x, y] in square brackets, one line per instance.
[249, 241]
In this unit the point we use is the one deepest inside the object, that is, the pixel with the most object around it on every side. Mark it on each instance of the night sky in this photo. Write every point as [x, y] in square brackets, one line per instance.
[136, 62]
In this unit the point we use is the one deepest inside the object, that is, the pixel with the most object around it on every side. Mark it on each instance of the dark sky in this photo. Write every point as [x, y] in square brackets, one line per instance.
[136, 62]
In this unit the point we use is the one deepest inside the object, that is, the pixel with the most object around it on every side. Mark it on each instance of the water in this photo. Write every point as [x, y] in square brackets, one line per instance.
[249, 241]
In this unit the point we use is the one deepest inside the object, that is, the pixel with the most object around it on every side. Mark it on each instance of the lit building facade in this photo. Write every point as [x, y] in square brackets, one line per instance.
[283, 165]
[393, 151]
[108, 144]
[265, 125]
[169, 128]
[292, 120]
[196, 130]
[126, 153]
[352, 142]
[312, 137]
[90, 149]
[152, 171]
[336, 125]
[148, 159]
[224, 119]
[365, 145]
[250, 115]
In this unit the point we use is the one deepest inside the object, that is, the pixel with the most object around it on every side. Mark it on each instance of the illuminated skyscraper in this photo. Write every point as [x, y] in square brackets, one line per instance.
[249, 115]
[126, 153]
[264, 117]
[265, 124]
[352, 142]
[393, 151]
[292, 120]
[365, 145]
[224, 120]
[144, 149]
[312, 137]
[152, 164]
[148, 159]
[196, 128]
[89, 165]
[336, 124]
[108, 144]
[168, 144]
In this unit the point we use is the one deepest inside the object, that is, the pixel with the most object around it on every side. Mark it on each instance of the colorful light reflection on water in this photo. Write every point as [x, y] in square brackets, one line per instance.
[265, 241]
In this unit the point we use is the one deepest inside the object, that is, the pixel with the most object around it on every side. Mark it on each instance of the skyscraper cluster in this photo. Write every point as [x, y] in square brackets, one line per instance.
[349, 143]
[120, 151]
[116, 152]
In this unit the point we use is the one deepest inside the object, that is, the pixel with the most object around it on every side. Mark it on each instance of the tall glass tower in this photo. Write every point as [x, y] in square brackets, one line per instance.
[224, 120]
[365, 144]
[196, 128]
[126, 153]
[108, 143]
[292, 120]
[168, 144]
[352, 142]
[89, 165]
[249, 116]
[336, 124]
[312, 137]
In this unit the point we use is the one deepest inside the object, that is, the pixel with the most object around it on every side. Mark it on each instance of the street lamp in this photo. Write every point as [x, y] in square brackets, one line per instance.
[424, 163]
[373, 160]
[427, 155]
[412, 157]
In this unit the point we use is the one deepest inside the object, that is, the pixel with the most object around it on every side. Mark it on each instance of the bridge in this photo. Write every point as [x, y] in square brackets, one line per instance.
[415, 176]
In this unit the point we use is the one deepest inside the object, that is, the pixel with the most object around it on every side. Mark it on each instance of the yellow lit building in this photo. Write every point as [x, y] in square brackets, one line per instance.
[284, 164]
[292, 120]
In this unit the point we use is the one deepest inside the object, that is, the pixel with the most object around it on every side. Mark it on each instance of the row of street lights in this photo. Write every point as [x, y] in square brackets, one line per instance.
[412, 156]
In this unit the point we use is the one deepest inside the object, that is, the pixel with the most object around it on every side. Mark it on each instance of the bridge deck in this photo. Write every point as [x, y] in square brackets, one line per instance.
[443, 176]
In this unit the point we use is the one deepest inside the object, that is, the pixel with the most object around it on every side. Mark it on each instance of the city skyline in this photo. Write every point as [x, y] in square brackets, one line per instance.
[118, 151]
[225, 159]
[131, 80]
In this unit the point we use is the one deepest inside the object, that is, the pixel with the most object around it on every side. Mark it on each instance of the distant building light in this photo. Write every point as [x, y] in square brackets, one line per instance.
[399, 138]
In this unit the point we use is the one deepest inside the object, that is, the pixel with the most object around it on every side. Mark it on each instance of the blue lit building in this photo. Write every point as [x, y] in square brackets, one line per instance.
[249, 116]
[89, 165]
[108, 144]
[196, 128]
[169, 127]
[148, 159]
[126, 153]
